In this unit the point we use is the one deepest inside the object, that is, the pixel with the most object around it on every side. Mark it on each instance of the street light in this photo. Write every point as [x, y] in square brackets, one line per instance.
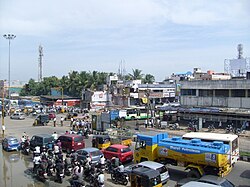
[9, 37]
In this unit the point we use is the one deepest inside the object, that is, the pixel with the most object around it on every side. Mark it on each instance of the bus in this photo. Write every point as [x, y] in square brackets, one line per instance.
[231, 139]
[134, 113]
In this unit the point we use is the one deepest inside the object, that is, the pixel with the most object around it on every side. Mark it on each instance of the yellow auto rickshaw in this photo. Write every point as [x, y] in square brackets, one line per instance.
[101, 141]
[145, 177]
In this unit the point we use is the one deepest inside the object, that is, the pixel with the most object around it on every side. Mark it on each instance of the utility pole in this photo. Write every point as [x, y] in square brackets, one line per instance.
[9, 37]
[147, 95]
[3, 112]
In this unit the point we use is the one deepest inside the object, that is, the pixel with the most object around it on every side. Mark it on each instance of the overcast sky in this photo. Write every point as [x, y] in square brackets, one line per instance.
[159, 37]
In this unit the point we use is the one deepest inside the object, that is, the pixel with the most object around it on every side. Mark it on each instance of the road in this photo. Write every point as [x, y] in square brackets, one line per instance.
[15, 168]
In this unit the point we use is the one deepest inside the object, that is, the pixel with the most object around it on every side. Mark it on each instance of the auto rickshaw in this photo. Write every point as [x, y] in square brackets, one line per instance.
[145, 177]
[41, 119]
[101, 141]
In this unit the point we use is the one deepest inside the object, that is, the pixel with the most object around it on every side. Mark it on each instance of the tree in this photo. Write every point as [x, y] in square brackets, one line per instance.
[148, 79]
[136, 75]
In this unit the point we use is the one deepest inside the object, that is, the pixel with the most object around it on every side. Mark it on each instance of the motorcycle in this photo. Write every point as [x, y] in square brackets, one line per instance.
[108, 166]
[119, 177]
[68, 170]
[192, 127]
[211, 127]
[229, 129]
[59, 176]
[76, 182]
[174, 126]
[41, 174]
[25, 147]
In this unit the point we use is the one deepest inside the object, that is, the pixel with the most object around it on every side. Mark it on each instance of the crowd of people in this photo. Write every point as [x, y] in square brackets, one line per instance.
[49, 163]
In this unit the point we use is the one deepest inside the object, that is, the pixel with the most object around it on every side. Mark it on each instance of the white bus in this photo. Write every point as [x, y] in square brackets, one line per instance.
[231, 139]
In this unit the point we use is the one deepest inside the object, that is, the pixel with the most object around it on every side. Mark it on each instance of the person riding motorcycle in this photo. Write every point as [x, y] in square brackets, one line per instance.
[102, 162]
[67, 165]
[59, 170]
[100, 179]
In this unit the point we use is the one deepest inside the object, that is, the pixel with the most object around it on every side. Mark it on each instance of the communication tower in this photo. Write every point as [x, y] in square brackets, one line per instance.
[40, 66]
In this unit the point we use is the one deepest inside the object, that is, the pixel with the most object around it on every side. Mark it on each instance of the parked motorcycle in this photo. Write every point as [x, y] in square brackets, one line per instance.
[229, 128]
[211, 127]
[174, 126]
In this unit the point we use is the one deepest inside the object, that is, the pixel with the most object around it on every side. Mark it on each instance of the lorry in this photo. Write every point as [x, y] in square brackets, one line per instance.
[199, 157]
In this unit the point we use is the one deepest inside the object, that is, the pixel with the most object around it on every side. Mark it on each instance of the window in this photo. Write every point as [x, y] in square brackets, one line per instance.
[78, 139]
[238, 93]
[235, 144]
[112, 149]
[206, 93]
[191, 92]
[48, 140]
[221, 93]
[125, 150]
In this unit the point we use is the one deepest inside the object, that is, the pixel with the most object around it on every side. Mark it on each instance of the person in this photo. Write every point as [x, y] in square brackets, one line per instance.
[71, 121]
[55, 136]
[102, 162]
[36, 162]
[54, 120]
[100, 178]
[62, 119]
[146, 123]
[121, 168]
[67, 132]
[25, 135]
[37, 150]
[115, 162]
[78, 171]
[56, 149]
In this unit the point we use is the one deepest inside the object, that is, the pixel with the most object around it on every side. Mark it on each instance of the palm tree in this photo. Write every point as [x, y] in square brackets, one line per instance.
[136, 75]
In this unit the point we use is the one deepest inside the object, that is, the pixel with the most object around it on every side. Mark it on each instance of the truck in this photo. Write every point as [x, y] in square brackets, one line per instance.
[199, 157]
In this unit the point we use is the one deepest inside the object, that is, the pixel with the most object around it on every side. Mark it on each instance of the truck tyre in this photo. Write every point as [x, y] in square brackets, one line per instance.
[194, 174]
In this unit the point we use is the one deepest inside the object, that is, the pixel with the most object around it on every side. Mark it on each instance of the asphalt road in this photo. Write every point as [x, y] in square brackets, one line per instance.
[15, 168]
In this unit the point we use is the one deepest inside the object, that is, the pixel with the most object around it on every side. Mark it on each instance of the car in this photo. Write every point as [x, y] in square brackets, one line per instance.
[52, 116]
[122, 152]
[72, 142]
[207, 179]
[219, 181]
[10, 143]
[151, 165]
[198, 184]
[94, 153]
[17, 116]
[41, 140]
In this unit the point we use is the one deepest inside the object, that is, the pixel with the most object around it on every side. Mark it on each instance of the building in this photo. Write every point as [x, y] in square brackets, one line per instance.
[210, 75]
[216, 93]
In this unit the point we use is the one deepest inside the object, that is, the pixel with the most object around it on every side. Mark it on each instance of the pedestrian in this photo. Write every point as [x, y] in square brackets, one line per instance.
[3, 129]
[62, 119]
[71, 121]
[146, 123]
[54, 122]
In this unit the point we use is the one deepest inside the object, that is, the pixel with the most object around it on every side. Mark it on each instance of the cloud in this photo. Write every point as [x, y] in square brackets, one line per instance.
[43, 17]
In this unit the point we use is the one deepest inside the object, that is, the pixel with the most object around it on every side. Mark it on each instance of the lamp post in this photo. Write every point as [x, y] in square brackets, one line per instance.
[9, 37]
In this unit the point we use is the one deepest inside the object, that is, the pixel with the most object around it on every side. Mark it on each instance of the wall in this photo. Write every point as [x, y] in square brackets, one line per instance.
[231, 102]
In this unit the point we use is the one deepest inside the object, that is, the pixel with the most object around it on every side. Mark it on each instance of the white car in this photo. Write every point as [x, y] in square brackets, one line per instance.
[17, 116]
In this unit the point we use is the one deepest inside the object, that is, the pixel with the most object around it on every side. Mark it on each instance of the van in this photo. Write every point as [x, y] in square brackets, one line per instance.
[41, 140]
[71, 142]
[157, 166]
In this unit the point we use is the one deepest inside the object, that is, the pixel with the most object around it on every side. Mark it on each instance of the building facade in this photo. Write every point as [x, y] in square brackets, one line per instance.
[216, 93]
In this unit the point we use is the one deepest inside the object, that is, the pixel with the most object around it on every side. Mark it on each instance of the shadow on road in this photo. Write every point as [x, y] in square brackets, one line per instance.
[245, 174]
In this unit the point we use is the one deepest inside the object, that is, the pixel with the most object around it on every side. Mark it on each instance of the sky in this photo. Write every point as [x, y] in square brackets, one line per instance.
[159, 37]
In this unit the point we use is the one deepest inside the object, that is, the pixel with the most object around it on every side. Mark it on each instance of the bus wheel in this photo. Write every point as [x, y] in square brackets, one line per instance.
[194, 174]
